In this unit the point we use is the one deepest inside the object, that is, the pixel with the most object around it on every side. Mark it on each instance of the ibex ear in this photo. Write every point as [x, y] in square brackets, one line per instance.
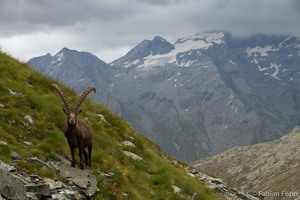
[65, 111]
[79, 111]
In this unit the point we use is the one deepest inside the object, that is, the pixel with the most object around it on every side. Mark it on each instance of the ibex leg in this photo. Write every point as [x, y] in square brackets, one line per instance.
[73, 162]
[89, 155]
[85, 156]
[80, 156]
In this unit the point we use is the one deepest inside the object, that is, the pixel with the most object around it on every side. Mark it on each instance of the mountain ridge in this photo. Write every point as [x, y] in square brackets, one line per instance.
[211, 92]
[157, 45]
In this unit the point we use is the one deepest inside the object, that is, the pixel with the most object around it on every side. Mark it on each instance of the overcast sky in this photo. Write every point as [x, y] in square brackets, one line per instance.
[110, 28]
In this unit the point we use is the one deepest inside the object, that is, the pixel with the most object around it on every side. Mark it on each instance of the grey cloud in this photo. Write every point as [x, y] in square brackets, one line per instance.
[111, 25]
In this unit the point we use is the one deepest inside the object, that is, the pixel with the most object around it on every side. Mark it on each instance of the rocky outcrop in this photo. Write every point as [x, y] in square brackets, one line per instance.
[75, 183]
[220, 187]
[11, 187]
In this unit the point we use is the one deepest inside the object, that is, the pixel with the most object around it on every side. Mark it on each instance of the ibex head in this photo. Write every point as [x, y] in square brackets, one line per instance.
[69, 111]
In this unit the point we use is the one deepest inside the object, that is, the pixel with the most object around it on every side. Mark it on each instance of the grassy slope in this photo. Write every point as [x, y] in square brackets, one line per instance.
[35, 97]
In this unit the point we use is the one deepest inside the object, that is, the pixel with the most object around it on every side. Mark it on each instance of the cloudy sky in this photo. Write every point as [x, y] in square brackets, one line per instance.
[110, 28]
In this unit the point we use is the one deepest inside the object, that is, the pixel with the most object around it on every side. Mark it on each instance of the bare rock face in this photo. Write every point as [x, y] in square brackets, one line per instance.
[270, 170]
[220, 187]
[84, 179]
[11, 187]
[76, 184]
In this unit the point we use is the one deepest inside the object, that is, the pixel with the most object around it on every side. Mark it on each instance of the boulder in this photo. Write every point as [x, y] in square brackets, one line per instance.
[134, 156]
[128, 143]
[84, 179]
[11, 187]
[7, 167]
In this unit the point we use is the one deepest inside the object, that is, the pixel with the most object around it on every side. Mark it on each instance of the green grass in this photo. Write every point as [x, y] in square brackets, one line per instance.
[150, 180]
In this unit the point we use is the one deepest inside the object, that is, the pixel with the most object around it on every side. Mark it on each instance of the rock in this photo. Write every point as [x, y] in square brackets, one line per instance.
[134, 156]
[1, 105]
[92, 188]
[29, 118]
[15, 156]
[79, 178]
[31, 196]
[40, 189]
[27, 143]
[7, 167]
[216, 181]
[108, 176]
[126, 196]
[53, 184]
[36, 160]
[13, 93]
[102, 117]
[176, 189]
[2, 143]
[195, 196]
[53, 165]
[84, 179]
[128, 143]
[190, 174]
[11, 187]
[220, 187]
[67, 194]
[78, 184]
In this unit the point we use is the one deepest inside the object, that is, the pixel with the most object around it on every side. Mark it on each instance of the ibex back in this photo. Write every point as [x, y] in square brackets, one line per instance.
[77, 131]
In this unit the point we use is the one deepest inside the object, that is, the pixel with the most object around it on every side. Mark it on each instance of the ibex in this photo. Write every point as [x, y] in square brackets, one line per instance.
[77, 131]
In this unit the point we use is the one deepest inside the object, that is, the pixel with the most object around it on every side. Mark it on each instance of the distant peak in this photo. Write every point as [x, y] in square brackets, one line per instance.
[65, 49]
[158, 38]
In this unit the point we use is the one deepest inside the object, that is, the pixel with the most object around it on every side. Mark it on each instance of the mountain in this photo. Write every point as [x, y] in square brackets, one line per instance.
[148, 47]
[79, 70]
[33, 148]
[270, 169]
[204, 94]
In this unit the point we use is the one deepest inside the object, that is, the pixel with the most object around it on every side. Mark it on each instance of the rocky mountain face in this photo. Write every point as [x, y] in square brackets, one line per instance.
[77, 70]
[269, 170]
[74, 183]
[202, 95]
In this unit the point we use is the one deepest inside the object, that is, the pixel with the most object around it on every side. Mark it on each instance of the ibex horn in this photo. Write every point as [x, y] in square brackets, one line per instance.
[84, 94]
[62, 95]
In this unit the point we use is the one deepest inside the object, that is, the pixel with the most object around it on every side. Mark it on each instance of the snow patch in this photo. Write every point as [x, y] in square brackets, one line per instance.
[281, 43]
[188, 44]
[232, 62]
[276, 67]
[60, 56]
[263, 51]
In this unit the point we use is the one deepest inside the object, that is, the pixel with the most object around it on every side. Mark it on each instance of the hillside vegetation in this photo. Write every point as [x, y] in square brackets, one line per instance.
[30, 111]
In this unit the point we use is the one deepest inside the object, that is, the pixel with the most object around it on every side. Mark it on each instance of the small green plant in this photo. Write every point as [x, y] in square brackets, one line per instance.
[46, 172]
[5, 153]
[163, 179]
